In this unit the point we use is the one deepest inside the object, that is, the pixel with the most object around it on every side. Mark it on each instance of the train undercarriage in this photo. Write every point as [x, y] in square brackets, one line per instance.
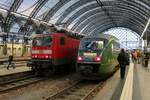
[47, 68]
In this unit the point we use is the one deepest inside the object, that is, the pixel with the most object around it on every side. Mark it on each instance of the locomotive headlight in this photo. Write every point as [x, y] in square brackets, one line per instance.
[35, 56]
[46, 56]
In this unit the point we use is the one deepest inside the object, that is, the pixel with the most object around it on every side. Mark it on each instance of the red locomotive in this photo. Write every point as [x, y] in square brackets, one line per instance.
[51, 51]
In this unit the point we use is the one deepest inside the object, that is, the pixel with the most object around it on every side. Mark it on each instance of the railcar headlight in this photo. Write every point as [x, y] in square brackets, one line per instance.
[98, 58]
[80, 58]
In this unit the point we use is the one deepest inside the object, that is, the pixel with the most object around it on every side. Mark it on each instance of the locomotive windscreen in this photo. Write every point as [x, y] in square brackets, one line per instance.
[42, 41]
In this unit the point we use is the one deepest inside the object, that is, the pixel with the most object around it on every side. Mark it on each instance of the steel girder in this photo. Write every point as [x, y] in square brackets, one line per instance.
[55, 9]
[10, 18]
[84, 11]
[100, 16]
[77, 5]
[100, 29]
[25, 28]
[87, 21]
[135, 6]
[128, 19]
[127, 23]
[15, 5]
[102, 23]
[122, 10]
[75, 15]
[130, 26]
[139, 10]
[39, 5]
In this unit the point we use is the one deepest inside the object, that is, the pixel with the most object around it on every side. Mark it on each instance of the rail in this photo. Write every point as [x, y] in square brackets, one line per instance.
[128, 86]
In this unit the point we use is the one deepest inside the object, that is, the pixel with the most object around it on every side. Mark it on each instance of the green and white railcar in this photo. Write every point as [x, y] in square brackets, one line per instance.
[97, 56]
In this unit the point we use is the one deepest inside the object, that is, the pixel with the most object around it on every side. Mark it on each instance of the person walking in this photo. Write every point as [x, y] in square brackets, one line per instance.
[10, 62]
[123, 61]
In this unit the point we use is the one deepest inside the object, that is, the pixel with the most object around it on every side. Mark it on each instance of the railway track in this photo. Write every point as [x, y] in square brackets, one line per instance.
[19, 83]
[82, 90]
[4, 79]
[16, 64]
[13, 81]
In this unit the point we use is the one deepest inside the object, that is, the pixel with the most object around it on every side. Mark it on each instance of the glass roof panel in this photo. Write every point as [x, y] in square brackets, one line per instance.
[44, 10]
[76, 20]
[27, 7]
[125, 36]
[76, 10]
[6, 4]
[61, 11]
[15, 28]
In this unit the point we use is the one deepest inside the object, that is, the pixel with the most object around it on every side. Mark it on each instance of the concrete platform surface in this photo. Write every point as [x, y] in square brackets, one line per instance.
[113, 88]
[141, 85]
[4, 71]
[141, 82]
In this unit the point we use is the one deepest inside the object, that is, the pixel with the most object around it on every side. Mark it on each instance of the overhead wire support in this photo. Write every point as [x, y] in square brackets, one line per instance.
[106, 12]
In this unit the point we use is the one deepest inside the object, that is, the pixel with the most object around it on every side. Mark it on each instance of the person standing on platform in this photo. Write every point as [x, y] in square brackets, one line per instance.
[134, 55]
[146, 58]
[123, 61]
[138, 56]
[10, 61]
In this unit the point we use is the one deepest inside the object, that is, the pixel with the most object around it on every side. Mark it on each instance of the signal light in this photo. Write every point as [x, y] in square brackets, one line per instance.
[80, 58]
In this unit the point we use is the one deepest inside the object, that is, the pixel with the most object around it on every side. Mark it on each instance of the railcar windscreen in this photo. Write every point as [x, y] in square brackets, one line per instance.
[92, 45]
[42, 41]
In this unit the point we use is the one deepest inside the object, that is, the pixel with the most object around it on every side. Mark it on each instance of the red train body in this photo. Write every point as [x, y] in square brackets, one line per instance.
[52, 50]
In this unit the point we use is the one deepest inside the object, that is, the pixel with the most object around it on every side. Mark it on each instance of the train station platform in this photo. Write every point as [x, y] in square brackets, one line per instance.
[4, 71]
[5, 59]
[136, 85]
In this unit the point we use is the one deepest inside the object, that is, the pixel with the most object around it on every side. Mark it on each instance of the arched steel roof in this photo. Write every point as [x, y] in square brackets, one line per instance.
[83, 16]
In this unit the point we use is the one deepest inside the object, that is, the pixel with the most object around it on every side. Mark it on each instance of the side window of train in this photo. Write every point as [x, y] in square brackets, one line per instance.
[62, 41]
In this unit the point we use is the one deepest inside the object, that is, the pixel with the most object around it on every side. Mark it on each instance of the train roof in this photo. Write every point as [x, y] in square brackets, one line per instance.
[104, 36]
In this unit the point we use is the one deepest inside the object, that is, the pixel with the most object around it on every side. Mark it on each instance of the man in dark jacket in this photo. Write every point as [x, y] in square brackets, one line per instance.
[146, 58]
[123, 61]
